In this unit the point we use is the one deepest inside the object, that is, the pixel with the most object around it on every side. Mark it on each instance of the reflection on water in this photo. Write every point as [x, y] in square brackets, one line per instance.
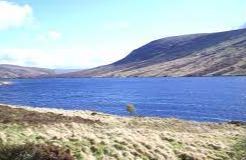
[2, 83]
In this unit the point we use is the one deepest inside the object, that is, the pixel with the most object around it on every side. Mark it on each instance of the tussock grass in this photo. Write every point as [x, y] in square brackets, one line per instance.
[239, 149]
[32, 151]
[105, 137]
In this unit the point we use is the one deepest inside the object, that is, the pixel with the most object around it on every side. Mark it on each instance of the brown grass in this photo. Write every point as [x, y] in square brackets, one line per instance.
[20, 115]
[32, 151]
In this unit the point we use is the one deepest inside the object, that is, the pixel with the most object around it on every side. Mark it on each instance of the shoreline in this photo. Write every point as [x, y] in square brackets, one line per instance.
[72, 112]
[221, 76]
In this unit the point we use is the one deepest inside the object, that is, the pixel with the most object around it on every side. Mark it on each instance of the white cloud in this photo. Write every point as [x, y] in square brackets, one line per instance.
[14, 15]
[54, 35]
[51, 35]
[76, 55]
[60, 58]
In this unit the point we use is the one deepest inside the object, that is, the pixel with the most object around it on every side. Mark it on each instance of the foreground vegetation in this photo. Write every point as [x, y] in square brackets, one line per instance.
[30, 151]
[66, 135]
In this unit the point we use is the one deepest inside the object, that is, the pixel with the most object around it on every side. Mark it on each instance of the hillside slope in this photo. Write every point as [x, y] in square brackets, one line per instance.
[222, 53]
[13, 71]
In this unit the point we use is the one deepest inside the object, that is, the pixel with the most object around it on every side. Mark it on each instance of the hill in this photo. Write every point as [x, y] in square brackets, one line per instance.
[206, 54]
[13, 71]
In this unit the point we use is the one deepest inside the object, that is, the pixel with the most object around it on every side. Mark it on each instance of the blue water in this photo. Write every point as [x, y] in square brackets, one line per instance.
[201, 99]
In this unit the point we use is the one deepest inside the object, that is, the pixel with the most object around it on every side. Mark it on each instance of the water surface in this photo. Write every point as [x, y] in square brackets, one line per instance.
[201, 99]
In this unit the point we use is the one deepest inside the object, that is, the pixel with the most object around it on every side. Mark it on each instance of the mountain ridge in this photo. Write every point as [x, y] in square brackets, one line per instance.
[202, 54]
[205, 54]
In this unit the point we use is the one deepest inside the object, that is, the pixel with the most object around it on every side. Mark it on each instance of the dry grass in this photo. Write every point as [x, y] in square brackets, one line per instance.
[100, 136]
[30, 151]
[20, 115]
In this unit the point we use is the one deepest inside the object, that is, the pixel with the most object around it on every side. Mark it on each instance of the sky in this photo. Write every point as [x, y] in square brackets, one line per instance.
[69, 34]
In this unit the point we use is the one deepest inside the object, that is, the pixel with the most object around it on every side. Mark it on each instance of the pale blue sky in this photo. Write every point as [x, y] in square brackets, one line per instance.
[88, 33]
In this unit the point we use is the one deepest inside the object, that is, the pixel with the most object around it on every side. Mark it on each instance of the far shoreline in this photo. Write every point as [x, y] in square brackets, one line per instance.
[122, 77]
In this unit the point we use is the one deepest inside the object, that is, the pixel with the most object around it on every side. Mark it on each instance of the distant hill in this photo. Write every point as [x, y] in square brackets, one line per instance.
[61, 71]
[13, 71]
[207, 54]
[243, 26]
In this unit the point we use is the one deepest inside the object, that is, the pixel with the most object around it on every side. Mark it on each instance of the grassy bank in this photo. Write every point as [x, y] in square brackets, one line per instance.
[89, 135]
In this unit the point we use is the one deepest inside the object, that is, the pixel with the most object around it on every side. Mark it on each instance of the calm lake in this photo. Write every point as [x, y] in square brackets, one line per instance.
[200, 99]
